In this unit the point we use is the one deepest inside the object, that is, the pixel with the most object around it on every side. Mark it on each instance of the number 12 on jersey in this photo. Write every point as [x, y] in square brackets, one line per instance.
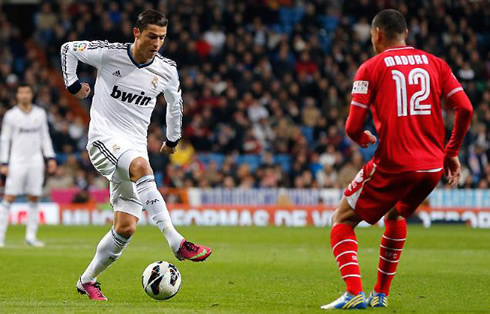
[416, 76]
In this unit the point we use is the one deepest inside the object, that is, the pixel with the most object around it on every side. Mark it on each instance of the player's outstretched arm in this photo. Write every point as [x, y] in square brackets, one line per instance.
[47, 146]
[175, 111]
[354, 127]
[89, 52]
[5, 140]
[464, 112]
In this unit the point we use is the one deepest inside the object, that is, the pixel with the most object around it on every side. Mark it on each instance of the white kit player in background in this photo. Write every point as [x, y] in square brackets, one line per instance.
[129, 78]
[25, 143]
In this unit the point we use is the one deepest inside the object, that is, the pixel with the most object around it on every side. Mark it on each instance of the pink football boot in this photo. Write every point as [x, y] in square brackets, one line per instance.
[193, 252]
[91, 289]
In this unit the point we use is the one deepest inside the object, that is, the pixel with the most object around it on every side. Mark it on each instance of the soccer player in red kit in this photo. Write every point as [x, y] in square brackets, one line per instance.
[403, 87]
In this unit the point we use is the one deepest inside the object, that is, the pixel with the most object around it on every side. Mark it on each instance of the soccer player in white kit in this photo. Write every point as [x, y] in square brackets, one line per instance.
[24, 143]
[129, 78]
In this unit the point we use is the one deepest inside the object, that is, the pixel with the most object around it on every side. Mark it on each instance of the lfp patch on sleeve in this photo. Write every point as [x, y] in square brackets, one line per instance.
[80, 46]
[360, 87]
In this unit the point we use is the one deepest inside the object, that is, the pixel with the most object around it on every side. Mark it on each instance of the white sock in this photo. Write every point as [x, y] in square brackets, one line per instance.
[32, 221]
[157, 209]
[4, 219]
[108, 251]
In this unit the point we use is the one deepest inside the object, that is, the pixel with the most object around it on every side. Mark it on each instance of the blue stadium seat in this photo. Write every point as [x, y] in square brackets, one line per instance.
[159, 178]
[330, 23]
[298, 14]
[204, 158]
[219, 159]
[368, 153]
[315, 167]
[252, 160]
[308, 134]
[284, 15]
[277, 28]
[287, 29]
[291, 16]
[325, 42]
[61, 158]
[284, 160]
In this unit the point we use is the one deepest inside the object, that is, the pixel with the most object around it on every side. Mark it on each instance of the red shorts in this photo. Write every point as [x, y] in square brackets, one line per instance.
[373, 193]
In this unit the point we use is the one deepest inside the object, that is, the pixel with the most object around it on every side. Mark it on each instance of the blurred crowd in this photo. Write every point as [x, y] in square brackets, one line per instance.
[266, 84]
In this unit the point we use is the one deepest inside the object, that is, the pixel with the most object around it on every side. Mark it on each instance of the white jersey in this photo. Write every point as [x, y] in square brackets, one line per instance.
[125, 92]
[25, 137]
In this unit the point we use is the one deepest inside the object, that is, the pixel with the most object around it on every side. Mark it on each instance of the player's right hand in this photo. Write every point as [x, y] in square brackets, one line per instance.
[83, 92]
[452, 169]
[4, 170]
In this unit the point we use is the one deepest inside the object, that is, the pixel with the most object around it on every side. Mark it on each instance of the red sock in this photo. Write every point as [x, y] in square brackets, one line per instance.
[390, 251]
[344, 247]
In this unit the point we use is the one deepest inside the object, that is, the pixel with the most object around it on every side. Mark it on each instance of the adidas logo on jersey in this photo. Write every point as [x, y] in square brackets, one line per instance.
[117, 73]
[130, 98]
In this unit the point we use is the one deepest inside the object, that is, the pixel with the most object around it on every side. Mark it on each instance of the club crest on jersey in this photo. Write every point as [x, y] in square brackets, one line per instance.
[360, 87]
[154, 82]
[80, 47]
[116, 147]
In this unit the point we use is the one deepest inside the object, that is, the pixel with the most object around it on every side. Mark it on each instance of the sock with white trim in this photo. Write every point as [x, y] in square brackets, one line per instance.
[344, 247]
[4, 219]
[389, 253]
[157, 210]
[32, 221]
[108, 251]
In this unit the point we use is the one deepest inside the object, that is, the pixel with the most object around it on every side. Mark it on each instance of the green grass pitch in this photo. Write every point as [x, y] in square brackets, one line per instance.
[252, 270]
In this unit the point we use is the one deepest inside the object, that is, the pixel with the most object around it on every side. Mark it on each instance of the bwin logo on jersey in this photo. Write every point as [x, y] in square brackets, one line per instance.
[25, 130]
[130, 97]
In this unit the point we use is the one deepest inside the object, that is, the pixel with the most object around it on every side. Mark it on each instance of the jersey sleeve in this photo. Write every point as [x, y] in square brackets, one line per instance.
[175, 109]
[89, 52]
[362, 93]
[450, 83]
[46, 143]
[362, 89]
[5, 139]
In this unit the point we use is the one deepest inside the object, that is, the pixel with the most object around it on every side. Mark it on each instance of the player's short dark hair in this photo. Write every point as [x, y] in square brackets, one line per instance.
[391, 22]
[24, 84]
[150, 17]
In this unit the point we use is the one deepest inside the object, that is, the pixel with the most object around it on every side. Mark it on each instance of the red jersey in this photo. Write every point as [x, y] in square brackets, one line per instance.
[404, 88]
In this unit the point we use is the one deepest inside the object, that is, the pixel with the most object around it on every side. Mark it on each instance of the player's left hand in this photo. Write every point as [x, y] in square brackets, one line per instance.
[371, 139]
[52, 166]
[83, 92]
[167, 150]
[4, 170]
[452, 169]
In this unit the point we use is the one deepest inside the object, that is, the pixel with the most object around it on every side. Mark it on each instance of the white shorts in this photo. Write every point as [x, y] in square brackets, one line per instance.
[25, 180]
[105, 155]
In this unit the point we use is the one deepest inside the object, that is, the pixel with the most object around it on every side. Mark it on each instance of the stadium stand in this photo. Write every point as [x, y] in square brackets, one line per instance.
[265, 84]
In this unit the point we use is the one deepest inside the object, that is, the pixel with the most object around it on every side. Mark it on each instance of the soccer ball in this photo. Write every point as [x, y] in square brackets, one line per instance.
[161, 280]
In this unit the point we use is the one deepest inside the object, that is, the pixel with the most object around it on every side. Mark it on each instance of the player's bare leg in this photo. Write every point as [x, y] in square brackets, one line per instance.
[108, 251]
[390, 250]
[4, 216]
[142, 175]
[344, 247]
[32, 223]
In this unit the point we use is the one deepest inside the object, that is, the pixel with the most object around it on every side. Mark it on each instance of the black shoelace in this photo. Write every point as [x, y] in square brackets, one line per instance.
[99, 291]
[191, 246]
